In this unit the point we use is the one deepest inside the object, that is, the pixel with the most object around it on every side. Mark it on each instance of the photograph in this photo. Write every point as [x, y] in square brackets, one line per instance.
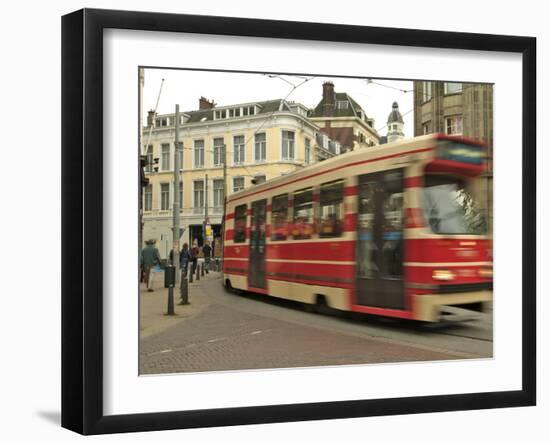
[298, 220]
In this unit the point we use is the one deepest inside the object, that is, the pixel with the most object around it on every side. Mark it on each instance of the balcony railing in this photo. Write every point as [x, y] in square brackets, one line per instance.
[213, 210]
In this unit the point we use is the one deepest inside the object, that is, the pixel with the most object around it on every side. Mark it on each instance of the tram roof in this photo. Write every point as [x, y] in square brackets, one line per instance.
[342, 159]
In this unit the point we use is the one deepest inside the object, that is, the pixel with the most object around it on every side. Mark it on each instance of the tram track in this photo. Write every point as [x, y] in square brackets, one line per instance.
[467, 340]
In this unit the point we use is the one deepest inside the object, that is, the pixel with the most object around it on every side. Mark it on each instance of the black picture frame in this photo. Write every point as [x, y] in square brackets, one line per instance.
[82, 215]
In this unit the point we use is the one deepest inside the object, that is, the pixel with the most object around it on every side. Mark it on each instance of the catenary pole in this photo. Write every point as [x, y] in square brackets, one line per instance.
[176, 205]
[205, 208]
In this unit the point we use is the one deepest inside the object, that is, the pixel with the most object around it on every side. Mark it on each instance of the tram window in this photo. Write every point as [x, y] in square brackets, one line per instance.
[302, 226]
[331, 209]
[240, 224]
[392, 230]
[279, 213]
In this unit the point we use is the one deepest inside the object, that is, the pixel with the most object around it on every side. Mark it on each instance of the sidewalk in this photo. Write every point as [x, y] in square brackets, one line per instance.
[154, 305]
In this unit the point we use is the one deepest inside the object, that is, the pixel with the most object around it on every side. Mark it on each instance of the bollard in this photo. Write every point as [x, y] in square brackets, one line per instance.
[184, 290]
[169, 282]
[190, 266]
[202, 269]
[198, 276]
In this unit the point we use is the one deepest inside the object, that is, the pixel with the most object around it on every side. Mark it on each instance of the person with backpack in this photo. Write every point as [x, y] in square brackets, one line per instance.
[194, 256]
[150, 258]
[207, 252]
[184, 258]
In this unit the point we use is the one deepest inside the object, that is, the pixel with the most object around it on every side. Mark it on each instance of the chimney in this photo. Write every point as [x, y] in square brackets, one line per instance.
[204, 103]
[150, 118]
[329, 99]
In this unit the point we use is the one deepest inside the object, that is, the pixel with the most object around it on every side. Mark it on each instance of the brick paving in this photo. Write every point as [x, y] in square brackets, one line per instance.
[220, 337]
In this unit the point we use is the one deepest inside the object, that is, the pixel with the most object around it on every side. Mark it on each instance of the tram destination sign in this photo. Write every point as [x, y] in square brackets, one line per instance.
[460, 152]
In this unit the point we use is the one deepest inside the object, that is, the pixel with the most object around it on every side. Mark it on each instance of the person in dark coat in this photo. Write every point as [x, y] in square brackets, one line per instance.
[207, 252]
[184, 258]
[194, 256]
[150, 258]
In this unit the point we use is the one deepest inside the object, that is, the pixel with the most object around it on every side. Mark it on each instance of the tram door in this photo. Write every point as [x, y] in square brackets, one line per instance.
[256, 264]
[380, 240]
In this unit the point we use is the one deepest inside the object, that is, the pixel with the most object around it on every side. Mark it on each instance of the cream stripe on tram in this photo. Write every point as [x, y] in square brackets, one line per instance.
[448, 265]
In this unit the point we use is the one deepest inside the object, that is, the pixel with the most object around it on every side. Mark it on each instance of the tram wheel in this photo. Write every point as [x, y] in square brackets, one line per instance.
[321, 305]
[228, 287]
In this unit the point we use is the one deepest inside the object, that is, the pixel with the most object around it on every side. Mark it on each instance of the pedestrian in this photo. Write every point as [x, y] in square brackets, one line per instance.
[194, 255]
[150, 258]
[184, 258]
[207, 252]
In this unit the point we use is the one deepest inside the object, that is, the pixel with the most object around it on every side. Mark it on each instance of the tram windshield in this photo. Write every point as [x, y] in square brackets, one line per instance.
[449, 208]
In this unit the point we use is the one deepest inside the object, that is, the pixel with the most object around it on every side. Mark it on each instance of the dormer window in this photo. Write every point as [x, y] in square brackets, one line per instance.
[218, 115]
[342, 104]
[241, 111]
[235, 112]
[161, 122]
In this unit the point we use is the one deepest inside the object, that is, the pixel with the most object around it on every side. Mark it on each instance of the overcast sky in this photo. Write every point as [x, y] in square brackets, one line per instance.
[185, 87]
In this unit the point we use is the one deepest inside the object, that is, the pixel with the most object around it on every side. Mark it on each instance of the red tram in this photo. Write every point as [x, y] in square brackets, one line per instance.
[392, 230]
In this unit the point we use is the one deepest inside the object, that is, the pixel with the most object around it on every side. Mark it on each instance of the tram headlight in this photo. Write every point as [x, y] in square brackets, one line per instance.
[443, 274]
[485, 272]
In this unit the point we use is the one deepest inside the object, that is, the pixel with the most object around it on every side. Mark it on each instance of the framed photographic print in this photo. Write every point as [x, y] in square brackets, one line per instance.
[270, 221]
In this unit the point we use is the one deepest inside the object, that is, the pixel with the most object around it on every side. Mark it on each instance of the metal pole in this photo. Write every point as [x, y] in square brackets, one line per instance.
[224, 200]
[144, 148]
[184, 291]
[205, 209]
[171, 300]
[140, 136]
[176, 206]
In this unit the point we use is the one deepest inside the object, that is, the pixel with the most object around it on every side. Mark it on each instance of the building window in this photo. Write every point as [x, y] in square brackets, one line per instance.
[148, 198]
[238, 184]
[218, 151]
[238, 149]
[165, 157]
[161, 122]
[259, 179]
[342, 104]
[259, 147]
[307, 151]
[453, 125]
[279, 222]
[149, 160]
[164, 196]
[180, 155]
[452, 88]
[302, 227]
[426, 128]
[426, 91]
[180, 200]
[219, 114]
[236, 112]
[248, 110]
[218, 193]
[198, 194]
[240, 224]
[331, 209]
[199, 153]
[288, 145]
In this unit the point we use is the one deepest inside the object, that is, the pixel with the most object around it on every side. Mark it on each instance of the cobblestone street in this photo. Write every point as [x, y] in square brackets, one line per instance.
[222, 331]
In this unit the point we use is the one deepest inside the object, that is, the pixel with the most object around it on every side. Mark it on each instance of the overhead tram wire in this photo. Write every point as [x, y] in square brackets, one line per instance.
[405, 91]
[265, 120]
[294, 87]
